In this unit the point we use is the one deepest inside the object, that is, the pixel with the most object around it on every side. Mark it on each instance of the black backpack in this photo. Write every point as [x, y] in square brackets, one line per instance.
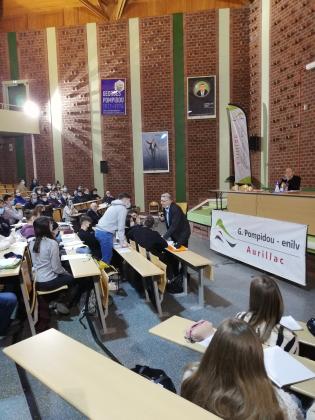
[157, 376]
[4, 227]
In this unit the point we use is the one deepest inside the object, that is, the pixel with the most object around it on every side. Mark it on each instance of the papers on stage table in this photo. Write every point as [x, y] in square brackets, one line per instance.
[68, 237]
[290, 323]
[68, 247]
[70, 257]
[71, 244]
[283, 369]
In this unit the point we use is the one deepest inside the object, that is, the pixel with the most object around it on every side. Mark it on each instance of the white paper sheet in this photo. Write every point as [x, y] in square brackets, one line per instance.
[72, 243]
[206, 341]
[290, 323]
[283, 369]
[123, 250]
[75, 257]
[69, 237]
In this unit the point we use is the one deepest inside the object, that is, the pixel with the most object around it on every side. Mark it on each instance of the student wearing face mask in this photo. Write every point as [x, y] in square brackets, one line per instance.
[53, 200]
[11, 215]
[4, 225]
[34, 184]
[79, 198]
[69, 212]
[86, 195]
[32, 203]
[18, 199]
[87, 235]
[27, 230]
[21, 186]
[64, 197]
[94, 195]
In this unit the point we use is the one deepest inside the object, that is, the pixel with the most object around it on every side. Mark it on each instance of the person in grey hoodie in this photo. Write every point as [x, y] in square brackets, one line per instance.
[113, 220]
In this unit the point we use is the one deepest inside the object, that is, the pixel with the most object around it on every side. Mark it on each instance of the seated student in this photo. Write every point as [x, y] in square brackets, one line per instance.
[69, 211]
[32, 203]
[290, 181]
[78, 198]
[94, 195]
[39, 210]
[50, 274]
[27, 231]
[231, 381]
[10, 214]
[87, 235]
[34, 184]
[149, 239]
[8, 302]
[53, 200]
[86, 195]
[93, 214]
[55, 231]
[5, 228]
[265, 312]
[21, 186]
[18, 199]
[108, 198]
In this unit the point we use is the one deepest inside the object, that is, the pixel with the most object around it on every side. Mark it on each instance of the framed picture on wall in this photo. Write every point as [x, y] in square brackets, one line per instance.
[155, 152]
[201, 97]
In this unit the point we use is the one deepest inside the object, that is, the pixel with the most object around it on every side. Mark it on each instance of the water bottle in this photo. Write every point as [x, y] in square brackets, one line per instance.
[277, 189]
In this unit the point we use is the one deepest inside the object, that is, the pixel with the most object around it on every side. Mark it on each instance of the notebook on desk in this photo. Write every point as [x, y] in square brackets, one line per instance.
[283, 369]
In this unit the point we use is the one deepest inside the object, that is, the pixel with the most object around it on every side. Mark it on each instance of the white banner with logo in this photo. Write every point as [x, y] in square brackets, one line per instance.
[240, 144]
[271, 245]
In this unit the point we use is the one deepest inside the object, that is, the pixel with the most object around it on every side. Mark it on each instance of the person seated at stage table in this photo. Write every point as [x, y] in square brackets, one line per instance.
[10, 214]
[94, 195]
[18, 199]
[132, 220]
[265, 312]
[87, 235]
[32, 203]
[27, 231]
[108, 198]
[146, 237]
[93, 214]
[231, 380]
[5, 228]
[292, 182]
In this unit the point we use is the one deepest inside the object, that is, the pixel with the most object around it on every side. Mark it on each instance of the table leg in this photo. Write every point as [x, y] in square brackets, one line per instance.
[96, 281]
[200, 288]
[157, 298]
[27, 307]
[221, 202]
[185, 279]
[217, 200]
[147, 299]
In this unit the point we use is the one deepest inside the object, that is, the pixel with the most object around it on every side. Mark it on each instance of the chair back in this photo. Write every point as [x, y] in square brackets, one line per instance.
[57, 215]
[183, 206]
[163, 278]
[142, 251]
[104, 280]
[154, 207]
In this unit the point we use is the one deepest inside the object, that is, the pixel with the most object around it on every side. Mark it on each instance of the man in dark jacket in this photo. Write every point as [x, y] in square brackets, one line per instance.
[93, 214]
[88, 237]
[149, 239]
[177, 225]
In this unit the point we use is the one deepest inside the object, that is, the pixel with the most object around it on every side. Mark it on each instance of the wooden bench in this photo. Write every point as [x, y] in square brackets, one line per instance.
[173, 329]
[202, 265]
[95, 385]
[146, 269]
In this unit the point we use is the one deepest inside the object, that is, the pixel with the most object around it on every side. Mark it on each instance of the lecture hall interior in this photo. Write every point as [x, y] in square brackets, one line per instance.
[157, 209]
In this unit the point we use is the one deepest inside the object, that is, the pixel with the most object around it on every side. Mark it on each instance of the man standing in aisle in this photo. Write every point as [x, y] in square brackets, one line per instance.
[113, 220]
[177, 225]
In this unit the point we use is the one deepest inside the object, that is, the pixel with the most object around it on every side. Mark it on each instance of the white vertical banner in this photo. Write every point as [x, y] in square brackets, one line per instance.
[274, 246]
[240, 144]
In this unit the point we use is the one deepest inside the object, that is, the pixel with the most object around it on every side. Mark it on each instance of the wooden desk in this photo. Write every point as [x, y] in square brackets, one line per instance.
[173, 329]
[95, 385]
[304, 336]
[19, 248]
[88, 268]
[146, 269]
[197, 263]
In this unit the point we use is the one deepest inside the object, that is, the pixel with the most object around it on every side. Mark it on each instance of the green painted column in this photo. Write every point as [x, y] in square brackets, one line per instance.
[15, 75]
[179, 106]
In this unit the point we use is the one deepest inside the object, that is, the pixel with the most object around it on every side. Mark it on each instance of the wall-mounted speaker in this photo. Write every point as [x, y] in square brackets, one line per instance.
[104, 166]
[254, 143]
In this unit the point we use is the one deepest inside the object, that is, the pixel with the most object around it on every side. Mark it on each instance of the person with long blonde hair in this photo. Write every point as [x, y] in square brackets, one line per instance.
[231, 380]
[265, 312]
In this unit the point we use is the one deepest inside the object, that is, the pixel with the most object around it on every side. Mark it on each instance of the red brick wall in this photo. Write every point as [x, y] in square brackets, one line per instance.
[291, 128]
[33, 65]
[113, 47]
[254, 120]
[157, 96]
[28, 156]
[74, 90]
[202, 135]
[8, 172]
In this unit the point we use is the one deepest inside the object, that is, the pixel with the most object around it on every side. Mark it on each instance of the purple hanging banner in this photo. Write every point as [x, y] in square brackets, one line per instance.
[114, 97]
